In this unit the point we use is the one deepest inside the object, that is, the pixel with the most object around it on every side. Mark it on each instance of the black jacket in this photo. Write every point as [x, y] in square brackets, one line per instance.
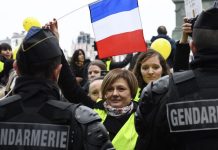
[70, 88]
[81, 71]
[36, 109]
[181, 58]
[177, 112]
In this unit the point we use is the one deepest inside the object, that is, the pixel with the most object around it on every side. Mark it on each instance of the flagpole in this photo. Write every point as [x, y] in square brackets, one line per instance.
[72, 12]
[77, 9]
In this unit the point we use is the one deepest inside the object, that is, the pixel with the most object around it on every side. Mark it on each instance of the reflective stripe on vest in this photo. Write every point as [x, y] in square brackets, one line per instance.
[1, 66]
[108, 63]
[137, 96]
[126, 138]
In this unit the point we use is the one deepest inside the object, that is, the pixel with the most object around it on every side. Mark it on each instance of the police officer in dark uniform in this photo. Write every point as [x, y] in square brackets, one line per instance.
[36, 116]
[180, 112]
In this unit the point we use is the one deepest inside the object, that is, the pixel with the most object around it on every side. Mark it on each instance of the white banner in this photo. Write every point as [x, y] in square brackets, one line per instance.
[193, 8]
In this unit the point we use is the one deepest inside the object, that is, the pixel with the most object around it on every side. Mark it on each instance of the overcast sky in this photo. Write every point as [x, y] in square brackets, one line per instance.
[13, 12]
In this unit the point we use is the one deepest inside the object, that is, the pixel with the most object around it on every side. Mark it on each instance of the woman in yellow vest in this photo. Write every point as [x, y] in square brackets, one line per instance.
[112, 64]
[6, 62]
[117, 108]
[150, 66]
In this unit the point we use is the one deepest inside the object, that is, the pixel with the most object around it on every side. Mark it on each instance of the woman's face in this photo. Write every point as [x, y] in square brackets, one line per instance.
[95, 90]
[118, 94]
[151, 69]
[94, 71]
[81, 57]
[6, 53]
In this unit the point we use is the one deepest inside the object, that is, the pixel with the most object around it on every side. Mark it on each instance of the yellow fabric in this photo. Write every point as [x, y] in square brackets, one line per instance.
[127, 136]
[137, 97]
[108, 63]
[15, 52]
[1, 66]
[98, 100]
[101, 113]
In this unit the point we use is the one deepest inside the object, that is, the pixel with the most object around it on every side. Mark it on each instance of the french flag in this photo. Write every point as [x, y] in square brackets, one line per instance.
[117, 27]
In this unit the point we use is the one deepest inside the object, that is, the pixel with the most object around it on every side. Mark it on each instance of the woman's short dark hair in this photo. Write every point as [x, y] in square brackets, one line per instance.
[142, 58]
[5, 46]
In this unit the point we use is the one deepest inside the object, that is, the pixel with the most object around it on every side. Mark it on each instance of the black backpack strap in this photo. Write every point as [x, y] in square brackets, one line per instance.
[8, 108]
[58, 110]
[9, 99]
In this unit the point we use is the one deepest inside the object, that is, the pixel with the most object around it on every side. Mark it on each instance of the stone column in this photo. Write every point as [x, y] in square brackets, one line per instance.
[180, 14]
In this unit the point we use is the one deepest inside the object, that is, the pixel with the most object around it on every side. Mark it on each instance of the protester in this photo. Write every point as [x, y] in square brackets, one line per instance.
[95, 69]
[162, 33]
[182, 54]
[67, 80]
[117, 108]
[6, 50]
[37, 108]
[112, 64]
[6, 62]
[94, 90]
[179, 111]
[127, 84]
[149, 66]
[79, 66]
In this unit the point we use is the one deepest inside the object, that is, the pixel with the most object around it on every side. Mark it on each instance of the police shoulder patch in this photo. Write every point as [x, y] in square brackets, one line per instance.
[86, 115]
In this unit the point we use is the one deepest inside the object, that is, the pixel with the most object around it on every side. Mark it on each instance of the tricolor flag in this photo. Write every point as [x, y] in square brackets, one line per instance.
[117, 27]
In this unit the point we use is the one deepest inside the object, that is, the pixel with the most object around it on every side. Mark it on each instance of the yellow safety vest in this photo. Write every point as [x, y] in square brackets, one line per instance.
[1, 66]
[137, 97]
[126, 138]
[108, 63]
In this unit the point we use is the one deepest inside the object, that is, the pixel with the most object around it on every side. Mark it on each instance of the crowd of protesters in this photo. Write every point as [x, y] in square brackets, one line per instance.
[145, 102]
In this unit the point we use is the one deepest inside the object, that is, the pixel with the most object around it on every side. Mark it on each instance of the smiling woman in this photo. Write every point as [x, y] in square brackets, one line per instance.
[117, 109]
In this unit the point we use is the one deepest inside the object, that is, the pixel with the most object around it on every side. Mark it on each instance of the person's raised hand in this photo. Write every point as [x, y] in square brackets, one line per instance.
[186, 30]
[187, 26]
[53, 26]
